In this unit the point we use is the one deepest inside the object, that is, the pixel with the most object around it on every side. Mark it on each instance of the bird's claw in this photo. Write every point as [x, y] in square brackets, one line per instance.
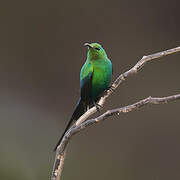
[110, 88]
[98, 106]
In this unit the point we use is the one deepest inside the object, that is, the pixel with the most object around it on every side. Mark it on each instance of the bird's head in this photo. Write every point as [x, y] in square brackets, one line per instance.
[95, 51]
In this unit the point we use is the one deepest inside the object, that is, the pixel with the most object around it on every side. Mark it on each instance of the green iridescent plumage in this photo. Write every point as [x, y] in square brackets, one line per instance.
[99, 68]
[95, 78]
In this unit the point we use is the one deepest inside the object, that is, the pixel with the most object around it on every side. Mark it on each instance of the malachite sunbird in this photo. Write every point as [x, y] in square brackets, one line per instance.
[95, 78]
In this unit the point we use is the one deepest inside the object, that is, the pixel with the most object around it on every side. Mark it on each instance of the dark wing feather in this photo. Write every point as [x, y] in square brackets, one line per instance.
[86, 85]
[79, 110]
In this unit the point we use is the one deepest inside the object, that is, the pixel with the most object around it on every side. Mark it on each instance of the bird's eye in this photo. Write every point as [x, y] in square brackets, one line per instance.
[97, 49]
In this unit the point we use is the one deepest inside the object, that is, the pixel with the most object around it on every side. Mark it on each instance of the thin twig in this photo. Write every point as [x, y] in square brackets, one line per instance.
[80, 124]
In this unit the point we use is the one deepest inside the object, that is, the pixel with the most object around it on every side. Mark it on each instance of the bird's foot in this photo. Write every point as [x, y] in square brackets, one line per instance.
[110, 88]
[98, 106]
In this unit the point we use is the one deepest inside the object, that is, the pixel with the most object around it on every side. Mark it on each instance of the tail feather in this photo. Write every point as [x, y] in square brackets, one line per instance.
[79, 110]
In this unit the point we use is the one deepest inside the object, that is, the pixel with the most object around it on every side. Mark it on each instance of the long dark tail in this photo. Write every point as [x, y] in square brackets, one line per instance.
[79, 110]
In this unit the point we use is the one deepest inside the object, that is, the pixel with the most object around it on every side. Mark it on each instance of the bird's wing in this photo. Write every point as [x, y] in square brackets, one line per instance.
[86, 85]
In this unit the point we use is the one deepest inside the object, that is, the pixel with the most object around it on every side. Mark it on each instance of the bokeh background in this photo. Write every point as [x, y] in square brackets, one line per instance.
[41, 54]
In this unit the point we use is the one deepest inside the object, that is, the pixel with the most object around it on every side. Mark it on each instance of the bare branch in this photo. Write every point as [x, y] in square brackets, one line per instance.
[126, 109]
[80, 124]
[58, 165]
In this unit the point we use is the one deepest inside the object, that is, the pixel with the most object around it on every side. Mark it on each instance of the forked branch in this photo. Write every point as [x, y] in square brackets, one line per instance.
[80, 124]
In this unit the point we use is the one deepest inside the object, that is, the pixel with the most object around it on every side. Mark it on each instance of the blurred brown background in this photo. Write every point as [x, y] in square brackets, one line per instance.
[41, 53]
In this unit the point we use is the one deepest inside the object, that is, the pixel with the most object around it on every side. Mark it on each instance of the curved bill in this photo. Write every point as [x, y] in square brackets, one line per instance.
[88, 45]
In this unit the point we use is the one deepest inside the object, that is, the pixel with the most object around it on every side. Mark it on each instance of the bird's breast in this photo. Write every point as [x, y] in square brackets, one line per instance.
[102, 72]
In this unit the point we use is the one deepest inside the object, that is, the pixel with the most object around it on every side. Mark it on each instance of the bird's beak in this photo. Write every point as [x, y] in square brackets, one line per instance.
[88, 45]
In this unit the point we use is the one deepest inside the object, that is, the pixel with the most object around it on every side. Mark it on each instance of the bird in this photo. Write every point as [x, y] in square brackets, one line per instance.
[95, 78]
